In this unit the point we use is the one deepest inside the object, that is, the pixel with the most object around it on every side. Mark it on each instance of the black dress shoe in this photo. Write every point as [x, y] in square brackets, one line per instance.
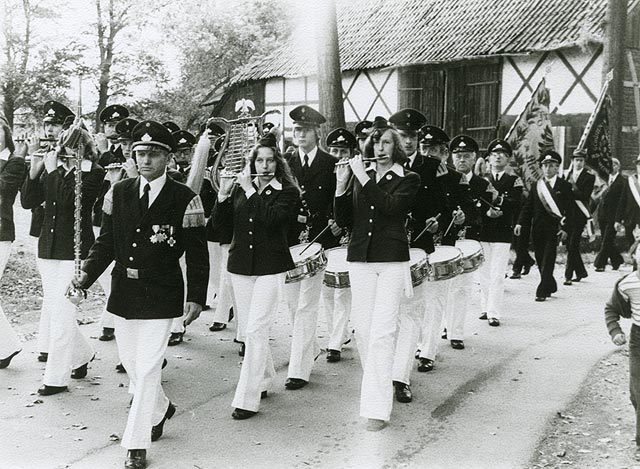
[107, 334]
[444, 334]
[601, 269]
[567, 282]
[417, 354]
[45, 390]
[80, 372]
[120, 368]
[175, 338]
[402, 392]
[295, 383]
[242, 349]
[424, 365]
[241, 414]
[217, 326]
[495, 322]
[43, 357]
[230, 314]
[457, 344]
[515, 276]
[333, 355]
[6, 361]
[164, 363]
[136, 459]
[526, 269]
[541, 298]
[156, 430]
[264, 395]
[483, 316]
[579, 277]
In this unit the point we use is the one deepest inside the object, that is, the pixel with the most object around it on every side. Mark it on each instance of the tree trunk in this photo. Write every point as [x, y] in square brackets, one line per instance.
[614, 47]
[329, 75]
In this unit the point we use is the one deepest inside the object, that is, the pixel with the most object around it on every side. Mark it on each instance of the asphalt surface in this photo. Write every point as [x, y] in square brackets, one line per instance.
[486, 406]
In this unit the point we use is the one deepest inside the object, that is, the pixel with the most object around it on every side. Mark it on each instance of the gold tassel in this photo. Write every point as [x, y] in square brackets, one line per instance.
[107, 204]
[193, 214]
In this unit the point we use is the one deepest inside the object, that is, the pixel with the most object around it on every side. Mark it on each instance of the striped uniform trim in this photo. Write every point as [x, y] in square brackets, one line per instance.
[194, 214]
[629, 288]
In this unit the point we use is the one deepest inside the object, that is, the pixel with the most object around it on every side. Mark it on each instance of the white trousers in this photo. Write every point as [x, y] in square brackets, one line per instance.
[337, 307]
[9, 341]
[216, 266]
[303, 300]
[496, 259]
[257, 299]
[68, 348]
[177, 325]
[142, 344]
[462, 287]
[107, 318]
[435, 302]
[225, 295]
[376, 289]
[411, 318]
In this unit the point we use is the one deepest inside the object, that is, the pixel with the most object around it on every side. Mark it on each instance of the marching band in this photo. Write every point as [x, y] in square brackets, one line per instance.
[392, 230]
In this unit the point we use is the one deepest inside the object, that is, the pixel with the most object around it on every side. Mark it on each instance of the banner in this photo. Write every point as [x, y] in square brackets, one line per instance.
[530, 135]
[595, 138]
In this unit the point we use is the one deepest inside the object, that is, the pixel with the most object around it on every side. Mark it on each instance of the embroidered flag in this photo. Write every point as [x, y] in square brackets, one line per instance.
[530, 135]
[595, 138]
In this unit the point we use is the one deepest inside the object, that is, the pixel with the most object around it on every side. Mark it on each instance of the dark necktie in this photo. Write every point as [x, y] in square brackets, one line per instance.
[305, 166]
[112, 149]
[144, 200]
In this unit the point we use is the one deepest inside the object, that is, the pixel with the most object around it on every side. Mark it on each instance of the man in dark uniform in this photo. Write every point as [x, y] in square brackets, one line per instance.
[109, 117]
[609, 203]
[549, 212]
[52, 180]
[497, 230]
[427, 203]
[582, 184]
[362, 130]
[314, 170]
[172, 126]
[628, 212]
[475, 193]
[149, 222]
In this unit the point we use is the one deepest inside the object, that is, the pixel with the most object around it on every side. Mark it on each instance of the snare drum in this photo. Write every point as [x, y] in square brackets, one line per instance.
[337, 273]
[419, 266]
[308, 263]
[472, 255]
[444, 263]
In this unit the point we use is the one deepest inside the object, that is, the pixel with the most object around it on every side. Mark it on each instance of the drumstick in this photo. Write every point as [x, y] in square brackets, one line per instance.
[315, 239]
[426, 228]
[450, 224]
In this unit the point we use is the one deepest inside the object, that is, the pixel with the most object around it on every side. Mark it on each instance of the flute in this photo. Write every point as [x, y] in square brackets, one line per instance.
[342, 163]
[232, 176]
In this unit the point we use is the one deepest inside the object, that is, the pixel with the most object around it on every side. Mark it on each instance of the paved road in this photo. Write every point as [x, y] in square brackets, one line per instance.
[486, 406]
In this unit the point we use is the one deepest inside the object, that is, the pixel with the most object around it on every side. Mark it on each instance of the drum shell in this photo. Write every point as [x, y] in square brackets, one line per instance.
[307, 267]
[334, 278]
[472, 261]
[445, 269]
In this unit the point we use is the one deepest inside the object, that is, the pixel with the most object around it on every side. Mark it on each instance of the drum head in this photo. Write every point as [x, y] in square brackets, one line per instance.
[416, 255]
[443, 254]
[296, 251]
[337, 259]
[468, 246]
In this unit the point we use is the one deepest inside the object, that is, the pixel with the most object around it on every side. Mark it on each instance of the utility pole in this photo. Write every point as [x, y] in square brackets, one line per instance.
[614, 48]
[329, 74]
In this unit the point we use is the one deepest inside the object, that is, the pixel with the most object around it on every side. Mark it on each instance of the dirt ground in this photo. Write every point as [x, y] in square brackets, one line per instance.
[597, 429]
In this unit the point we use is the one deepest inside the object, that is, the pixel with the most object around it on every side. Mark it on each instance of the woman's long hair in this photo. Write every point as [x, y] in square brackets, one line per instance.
[398, 156]
[283, 170]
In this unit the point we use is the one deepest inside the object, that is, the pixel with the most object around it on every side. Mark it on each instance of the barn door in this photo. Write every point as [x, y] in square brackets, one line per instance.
[422, 88]
[472, 101]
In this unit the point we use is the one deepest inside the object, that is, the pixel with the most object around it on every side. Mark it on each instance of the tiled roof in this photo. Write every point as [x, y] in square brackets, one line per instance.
[384, 33]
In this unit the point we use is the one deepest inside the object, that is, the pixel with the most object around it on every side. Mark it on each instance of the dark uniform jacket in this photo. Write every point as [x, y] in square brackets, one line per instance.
[534, 215]
[582, 190]
[376, 214]
[147, 281]
[472, 199]
[500, 230]
[611, 200]
[628, 210]
[318, 189]
[216, 233]
[260, 226]
[452, 192]
[57, 191]
[11, 176]
[428, 202]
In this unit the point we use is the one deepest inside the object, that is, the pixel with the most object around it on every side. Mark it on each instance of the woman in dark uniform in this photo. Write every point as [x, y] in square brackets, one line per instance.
[378, 254]
[259, 209]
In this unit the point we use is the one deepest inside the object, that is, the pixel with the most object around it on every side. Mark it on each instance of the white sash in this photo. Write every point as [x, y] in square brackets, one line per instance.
[633, 186]
[547, 199]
